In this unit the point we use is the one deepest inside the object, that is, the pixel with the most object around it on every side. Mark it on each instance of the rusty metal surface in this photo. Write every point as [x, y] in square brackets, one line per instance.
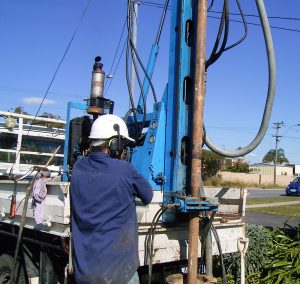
[197, 134]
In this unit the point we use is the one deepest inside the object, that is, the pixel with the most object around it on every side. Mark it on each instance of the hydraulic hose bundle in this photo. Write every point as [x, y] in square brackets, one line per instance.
[270, 96]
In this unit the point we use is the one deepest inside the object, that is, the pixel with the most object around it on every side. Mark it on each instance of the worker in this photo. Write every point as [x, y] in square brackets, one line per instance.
[104, 221]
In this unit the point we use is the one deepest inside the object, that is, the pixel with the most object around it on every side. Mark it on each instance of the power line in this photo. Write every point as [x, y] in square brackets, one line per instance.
[290, 137]
[54, 75]
[155, 5]
[117, 50]
[158, 5]
[61, 61]
[116, 67]
[255, 24]
[256, 16]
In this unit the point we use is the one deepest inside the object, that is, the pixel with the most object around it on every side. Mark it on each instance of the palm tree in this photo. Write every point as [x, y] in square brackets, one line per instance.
[270, 156]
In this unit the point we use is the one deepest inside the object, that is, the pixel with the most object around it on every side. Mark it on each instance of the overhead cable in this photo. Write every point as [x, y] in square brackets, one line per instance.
[256, 24]
[161, 6]
[61, 61]
[117, 50]
[116, 68]
[54, 76]
[257, 16]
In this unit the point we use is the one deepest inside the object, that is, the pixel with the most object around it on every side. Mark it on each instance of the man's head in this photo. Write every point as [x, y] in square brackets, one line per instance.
[108, 134]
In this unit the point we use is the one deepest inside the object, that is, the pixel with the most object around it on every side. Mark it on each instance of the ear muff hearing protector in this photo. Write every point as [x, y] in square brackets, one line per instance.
[115, 144]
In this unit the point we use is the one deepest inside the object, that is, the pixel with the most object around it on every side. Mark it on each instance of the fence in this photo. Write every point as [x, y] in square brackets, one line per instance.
[260, 179]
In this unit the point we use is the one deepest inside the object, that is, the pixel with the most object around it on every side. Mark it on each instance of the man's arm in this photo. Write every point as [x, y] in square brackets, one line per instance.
[142, 187]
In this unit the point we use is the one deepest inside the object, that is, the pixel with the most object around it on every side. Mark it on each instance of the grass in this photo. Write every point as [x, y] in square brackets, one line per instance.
[272, 200]
[288, 211]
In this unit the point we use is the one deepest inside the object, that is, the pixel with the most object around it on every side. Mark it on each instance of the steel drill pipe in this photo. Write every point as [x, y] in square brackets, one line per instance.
[197, 134]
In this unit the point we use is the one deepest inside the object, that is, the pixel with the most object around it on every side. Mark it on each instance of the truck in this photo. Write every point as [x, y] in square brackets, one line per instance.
[186, 223]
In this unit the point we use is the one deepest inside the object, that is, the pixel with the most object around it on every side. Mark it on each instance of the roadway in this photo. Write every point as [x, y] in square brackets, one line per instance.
[265, 193]
[269, 220]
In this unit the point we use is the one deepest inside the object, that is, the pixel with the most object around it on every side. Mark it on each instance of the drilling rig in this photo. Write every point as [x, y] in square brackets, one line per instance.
[187, 223]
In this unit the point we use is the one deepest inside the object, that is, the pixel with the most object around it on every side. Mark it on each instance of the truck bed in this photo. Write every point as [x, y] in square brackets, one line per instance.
[170, 240]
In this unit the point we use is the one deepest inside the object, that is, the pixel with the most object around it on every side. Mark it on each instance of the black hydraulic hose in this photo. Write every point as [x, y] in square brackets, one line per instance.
[143, 96]
[134, 110]
[144, 70]
[225, 20]
[220, 31]
[270, 97]
[22, 224]
[133, 61]
[162, 211]
[245, 27]
[148, 237]
[136, 53]
[128, 86]
[218, 54]
[141, 87]
[210, 6]
[224, 279]
[162, 20]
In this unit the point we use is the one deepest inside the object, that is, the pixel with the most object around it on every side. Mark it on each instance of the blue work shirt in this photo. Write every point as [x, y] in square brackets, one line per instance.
[104, 222]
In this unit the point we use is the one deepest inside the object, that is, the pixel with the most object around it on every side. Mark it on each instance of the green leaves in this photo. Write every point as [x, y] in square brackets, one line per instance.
[272, 257]
[270, 156]
[283, 266]
[211, 164]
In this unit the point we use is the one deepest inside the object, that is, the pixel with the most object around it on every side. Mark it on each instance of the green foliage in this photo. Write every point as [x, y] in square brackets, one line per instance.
[271, 155]
[256, 256]
[239, 167]
[20, 110]
[211, 164]
[272, 257]
[50, 124]
[284, 257]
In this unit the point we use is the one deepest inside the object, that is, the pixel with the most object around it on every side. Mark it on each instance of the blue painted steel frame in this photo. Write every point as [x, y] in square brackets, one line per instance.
[149, 158]
[177, 109]
[159, 158]
[71, 105]
[172, 111]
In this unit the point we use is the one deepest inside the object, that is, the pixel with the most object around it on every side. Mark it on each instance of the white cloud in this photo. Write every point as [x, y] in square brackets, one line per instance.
[251, 155]
[37, 101]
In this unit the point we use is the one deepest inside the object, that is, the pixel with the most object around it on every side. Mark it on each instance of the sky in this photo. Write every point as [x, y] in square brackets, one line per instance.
[50, 45]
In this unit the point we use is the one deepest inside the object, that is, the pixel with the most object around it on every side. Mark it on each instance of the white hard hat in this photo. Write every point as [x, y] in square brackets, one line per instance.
[104, 127]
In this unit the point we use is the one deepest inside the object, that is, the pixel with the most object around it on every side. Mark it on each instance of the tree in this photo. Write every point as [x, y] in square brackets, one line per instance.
[270, 156]
[50, 124]
[20, 110]
[239, 167]
[211, 164]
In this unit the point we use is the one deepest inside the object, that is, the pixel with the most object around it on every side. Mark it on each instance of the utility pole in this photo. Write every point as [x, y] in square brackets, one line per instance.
[278, 125]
